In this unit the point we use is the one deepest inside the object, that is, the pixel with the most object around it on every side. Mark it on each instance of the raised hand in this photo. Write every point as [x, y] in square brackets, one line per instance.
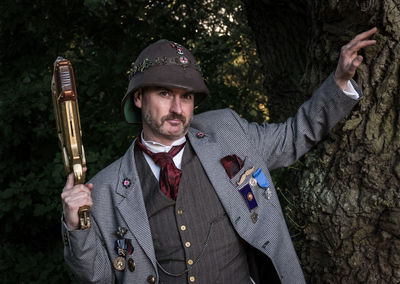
[350, 59]
[74, 197]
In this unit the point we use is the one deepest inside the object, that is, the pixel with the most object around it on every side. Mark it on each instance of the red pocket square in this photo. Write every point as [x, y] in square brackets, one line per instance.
[232, 164]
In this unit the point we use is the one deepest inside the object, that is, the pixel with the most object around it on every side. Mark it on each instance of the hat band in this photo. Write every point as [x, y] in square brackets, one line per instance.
[182, 61]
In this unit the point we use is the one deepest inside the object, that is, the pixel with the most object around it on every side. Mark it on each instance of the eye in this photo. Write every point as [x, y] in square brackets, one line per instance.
[164, 93]
[188, 96]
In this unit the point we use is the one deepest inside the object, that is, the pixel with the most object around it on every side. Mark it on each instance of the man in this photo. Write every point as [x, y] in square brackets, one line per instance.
[192, 199]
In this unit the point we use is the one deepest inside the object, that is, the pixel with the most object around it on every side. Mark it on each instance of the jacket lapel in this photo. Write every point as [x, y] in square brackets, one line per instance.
[131, 205]
[210, 153]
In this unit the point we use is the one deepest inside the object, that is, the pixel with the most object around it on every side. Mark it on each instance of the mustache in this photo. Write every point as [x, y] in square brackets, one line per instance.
[174, 116]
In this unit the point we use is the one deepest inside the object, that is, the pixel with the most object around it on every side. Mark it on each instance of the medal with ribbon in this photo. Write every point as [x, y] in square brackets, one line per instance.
[124, 248]
[120, 248]
[130, 249]
[262, 180]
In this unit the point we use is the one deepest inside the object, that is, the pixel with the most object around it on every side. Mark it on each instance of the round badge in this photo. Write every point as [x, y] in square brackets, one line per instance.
[183, 60]
[119, 263]
[250, 196]
[253, 182]
[179, 50]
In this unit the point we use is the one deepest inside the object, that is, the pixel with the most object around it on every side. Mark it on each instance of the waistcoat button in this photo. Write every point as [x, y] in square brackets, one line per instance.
[183, 228]
[192, 279]
[190, 262]
[151, 279]
[187, 244]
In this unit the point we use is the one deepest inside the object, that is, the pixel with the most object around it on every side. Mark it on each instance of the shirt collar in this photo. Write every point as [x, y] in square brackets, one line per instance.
[157, 147]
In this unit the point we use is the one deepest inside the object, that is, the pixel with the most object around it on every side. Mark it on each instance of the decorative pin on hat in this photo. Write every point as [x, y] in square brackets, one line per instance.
[183, 60]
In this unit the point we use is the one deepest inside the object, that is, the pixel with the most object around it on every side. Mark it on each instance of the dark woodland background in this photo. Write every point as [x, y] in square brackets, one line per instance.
[261, 58]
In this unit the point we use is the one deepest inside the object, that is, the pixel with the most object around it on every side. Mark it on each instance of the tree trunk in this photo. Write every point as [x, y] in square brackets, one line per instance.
[349, 185]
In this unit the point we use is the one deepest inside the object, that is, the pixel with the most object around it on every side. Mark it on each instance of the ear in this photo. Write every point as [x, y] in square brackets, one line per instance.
[137, 98]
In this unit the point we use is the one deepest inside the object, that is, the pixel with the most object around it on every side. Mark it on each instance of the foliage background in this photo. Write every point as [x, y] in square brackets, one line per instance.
[101, 38]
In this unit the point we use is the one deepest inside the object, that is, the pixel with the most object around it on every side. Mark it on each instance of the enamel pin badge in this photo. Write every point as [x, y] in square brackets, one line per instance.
[248, 196]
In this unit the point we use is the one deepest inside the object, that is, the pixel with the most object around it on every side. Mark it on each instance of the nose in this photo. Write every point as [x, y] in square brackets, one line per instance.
[176, 105]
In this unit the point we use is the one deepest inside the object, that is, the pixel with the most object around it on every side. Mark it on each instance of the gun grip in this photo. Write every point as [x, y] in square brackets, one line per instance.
[84, 216]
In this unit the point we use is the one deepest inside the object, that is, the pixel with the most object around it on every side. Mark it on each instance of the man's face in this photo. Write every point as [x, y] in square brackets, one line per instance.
[166, 113]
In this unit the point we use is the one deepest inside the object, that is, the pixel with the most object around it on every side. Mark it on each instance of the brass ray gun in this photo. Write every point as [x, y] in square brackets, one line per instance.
[69, 130]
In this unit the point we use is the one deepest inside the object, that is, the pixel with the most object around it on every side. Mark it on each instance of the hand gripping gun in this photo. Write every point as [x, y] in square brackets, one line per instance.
[69, 131]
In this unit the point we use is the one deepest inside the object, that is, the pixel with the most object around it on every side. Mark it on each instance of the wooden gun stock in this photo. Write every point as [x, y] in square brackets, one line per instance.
[69, 130]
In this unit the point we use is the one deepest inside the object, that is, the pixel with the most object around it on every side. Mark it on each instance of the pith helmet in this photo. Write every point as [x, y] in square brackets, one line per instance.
[163, 64]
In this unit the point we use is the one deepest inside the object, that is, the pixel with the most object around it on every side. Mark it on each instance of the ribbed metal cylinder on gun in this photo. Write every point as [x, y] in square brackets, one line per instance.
[69, 130]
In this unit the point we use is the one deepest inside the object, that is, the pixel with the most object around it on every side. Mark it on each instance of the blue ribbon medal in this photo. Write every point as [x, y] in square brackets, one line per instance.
[263, 182]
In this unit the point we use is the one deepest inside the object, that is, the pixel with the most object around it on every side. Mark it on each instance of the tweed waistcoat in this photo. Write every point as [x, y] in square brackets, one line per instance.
[193, 237]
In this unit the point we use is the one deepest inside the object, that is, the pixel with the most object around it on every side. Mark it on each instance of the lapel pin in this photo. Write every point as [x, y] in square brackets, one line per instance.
[244, 175]
[121, 231]
[126, 182]
[200, 135]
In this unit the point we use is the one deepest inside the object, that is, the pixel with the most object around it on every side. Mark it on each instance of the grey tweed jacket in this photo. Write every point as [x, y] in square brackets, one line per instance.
[90, 253]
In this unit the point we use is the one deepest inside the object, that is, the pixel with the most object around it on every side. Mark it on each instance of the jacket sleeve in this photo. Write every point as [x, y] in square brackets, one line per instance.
[86, 255]
[283, 143]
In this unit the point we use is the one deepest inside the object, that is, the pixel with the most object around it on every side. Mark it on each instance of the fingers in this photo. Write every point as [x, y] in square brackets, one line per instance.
[361, 40]
[349, 59]
[75, 189]
[354, 46]
[70, 182]
[90, 186]
[366, 34]
[72, 199]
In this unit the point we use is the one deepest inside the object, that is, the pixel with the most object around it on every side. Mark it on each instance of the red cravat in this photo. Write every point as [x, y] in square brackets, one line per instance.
[170, 175]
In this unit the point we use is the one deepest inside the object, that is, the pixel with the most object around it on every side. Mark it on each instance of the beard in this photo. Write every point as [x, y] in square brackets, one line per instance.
[158, 127]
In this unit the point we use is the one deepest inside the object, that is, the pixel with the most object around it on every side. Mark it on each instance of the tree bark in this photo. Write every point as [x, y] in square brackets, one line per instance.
[349, 186]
